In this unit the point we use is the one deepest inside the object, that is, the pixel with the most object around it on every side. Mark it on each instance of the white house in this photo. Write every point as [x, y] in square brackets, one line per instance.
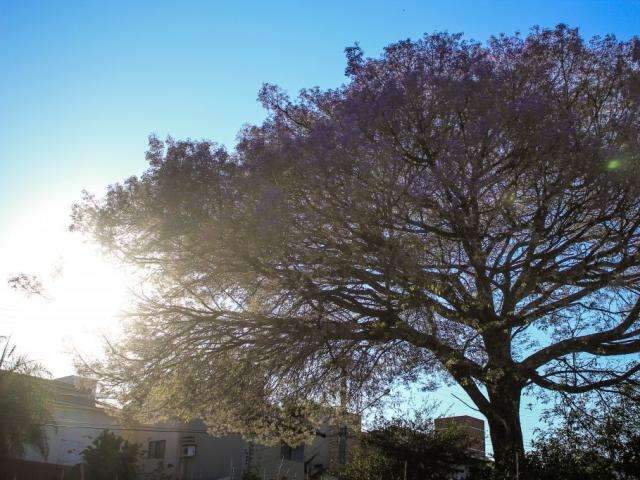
[77, 420]
[183, 451]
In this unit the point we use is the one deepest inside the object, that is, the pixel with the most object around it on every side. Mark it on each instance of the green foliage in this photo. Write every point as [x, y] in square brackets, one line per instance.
[24, 403]
[161, 472]
[371, 465]
[251, 474]
[109, 457]
[555, 459]
[595, 440]
[412, 448]
[630, 458]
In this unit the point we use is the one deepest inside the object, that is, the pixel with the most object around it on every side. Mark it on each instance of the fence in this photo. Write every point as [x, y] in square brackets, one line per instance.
[16, 469]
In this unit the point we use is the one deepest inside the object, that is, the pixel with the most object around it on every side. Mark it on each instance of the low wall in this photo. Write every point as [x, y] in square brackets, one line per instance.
[16, 469]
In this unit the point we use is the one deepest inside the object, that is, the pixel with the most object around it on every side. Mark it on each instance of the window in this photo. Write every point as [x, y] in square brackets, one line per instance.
[156, 448]
[294, 454]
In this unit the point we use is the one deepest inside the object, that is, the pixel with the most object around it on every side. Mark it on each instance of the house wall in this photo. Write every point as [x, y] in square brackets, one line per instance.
[228, 457]
[268, 463]
[163, 431]
[216, 456]
[66, 442]
[78, 421]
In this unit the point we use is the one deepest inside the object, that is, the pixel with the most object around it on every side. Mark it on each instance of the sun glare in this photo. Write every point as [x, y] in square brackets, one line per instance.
[83, 292]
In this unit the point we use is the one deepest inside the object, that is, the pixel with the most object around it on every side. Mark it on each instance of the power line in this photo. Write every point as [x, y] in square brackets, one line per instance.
[117, 427]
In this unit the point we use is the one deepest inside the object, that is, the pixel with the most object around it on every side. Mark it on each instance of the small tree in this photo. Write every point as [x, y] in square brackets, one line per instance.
[24, 403]
[409, 448]
[596, 439]
[110, 457]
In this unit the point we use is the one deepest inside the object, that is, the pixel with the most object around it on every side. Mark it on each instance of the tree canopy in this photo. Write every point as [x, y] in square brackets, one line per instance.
[456, 210]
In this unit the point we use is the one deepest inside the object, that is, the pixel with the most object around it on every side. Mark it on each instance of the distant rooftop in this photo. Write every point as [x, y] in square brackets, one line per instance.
[75, 390]
[471, 426]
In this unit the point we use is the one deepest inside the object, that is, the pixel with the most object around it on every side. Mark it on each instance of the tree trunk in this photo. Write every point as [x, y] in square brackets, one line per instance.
[503, 416]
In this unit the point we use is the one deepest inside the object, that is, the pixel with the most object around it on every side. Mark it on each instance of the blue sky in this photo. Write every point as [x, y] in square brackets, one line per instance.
[83, 84]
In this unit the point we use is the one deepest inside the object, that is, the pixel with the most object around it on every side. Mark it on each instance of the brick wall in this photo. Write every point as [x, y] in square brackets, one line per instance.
[473, 429]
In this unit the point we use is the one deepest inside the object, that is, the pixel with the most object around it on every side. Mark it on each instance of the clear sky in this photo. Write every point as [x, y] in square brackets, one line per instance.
[83, 83]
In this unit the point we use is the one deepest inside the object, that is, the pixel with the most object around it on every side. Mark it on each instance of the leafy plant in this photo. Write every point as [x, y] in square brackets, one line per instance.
[411, 449]
[108, 457]
[594, 438]
[25, 403]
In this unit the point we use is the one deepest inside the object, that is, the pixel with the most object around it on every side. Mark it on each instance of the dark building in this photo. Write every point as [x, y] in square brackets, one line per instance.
[473, 428]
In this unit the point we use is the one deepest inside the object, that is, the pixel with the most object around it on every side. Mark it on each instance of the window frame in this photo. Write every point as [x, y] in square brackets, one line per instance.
[157, 449]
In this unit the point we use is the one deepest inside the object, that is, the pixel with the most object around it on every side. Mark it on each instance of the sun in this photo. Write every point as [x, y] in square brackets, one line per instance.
[85, 293]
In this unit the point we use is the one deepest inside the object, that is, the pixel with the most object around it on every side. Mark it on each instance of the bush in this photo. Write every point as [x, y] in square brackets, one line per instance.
[109, 457]
[410, 449]
[24, 403]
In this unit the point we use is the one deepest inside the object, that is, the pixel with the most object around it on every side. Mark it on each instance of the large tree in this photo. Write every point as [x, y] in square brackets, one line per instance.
[457, 208]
